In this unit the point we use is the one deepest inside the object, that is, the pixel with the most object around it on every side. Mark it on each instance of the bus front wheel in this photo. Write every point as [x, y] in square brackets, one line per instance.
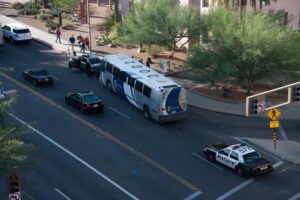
[109, 86]
[147, 112]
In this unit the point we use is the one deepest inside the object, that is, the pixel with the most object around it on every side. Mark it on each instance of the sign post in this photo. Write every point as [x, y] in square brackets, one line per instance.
[274, 114]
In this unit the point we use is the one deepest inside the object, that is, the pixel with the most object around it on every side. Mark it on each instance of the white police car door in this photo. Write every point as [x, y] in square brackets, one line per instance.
[223, 157]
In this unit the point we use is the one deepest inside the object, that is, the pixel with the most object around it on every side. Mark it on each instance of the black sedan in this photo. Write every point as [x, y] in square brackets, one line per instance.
[86, 102]
[38, 76]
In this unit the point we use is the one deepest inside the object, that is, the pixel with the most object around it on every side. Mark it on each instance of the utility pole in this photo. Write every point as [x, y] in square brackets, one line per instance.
[89, 26]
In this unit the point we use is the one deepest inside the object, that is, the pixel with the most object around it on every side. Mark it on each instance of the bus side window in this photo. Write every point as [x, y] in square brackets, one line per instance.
[109, 67]
[131, 81]
[123, 76]
[138, 86]
[116, 71]
[147, 91]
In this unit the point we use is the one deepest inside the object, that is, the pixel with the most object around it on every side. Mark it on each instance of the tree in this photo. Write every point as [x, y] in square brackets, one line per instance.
[117, 16]
[64, 6]
[250, 48]
[13, 150]
[162, 22]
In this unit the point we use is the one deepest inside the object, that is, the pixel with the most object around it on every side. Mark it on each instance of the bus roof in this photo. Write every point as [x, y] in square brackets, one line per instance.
[140, 71]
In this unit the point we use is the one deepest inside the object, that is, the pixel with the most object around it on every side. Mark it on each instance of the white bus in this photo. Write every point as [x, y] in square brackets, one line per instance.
[160, 98]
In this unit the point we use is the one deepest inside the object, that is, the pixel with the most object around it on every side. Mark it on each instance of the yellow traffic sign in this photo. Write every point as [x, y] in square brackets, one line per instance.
[274, 114]
[274, 124]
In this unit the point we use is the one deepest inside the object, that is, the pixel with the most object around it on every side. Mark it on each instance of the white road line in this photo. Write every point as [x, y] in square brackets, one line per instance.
[62, 194]
[295, 197]
[75, 157]
[206, 161]
[193, 196]
[244, 184]
[282, 132]
[119, 112]
[30, 197]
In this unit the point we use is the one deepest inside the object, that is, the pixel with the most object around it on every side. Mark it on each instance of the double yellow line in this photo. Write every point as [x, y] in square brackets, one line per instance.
[104, 133]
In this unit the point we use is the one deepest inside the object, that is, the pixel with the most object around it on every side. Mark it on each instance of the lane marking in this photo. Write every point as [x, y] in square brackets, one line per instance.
[282, 132]
[287, 168]
[242, 140]
[206, 161]
[193, 196]
[105, 134]
[244, 184]
[295, 197]
[119, 112]
[26, 194]
[62, 194]
[74, 156]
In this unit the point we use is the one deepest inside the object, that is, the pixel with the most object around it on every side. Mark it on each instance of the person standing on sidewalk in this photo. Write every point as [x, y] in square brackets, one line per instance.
[87, 42]
[58, 34]
[82, 47]
[72, 42]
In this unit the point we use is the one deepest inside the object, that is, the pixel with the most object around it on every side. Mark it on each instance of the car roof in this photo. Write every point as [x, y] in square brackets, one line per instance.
[36, 70]
[17, 26]
[86, 93]
[241, 149]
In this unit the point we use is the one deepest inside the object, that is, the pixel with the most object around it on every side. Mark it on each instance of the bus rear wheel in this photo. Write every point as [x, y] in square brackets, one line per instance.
[147, 112]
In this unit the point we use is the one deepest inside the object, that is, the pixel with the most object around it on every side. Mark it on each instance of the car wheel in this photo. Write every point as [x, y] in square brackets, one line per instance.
[11, 40]
[239, 171]
[147, 114]
[82, 110]
[210, 157]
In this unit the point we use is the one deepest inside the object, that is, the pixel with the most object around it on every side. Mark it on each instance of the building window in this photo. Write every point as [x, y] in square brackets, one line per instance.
[205, 3]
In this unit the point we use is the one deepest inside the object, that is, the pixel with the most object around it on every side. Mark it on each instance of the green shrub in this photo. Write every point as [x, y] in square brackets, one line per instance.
[28, 11]
[52, 25]
[102, 40]
[17, 6]
[44, 16]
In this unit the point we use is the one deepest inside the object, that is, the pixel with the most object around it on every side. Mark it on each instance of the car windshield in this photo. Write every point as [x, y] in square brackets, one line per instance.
[250, 157]
[95, 60]
[90, 98]
[21, 31]
[41, 73]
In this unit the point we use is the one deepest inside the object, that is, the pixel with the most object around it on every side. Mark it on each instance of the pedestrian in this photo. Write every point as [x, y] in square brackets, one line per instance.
[72, 42]
[82, 47]
[79, 39]
[74, 53]
[87, 42]
[147, 64]
[58, 34]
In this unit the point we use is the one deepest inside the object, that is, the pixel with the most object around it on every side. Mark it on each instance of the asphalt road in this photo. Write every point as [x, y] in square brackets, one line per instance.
[120, 155]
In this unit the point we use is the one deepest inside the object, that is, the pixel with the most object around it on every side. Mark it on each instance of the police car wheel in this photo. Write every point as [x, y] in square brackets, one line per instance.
[239, 171]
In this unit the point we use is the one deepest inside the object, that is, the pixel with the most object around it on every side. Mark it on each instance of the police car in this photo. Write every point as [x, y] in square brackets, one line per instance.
[240, 157]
